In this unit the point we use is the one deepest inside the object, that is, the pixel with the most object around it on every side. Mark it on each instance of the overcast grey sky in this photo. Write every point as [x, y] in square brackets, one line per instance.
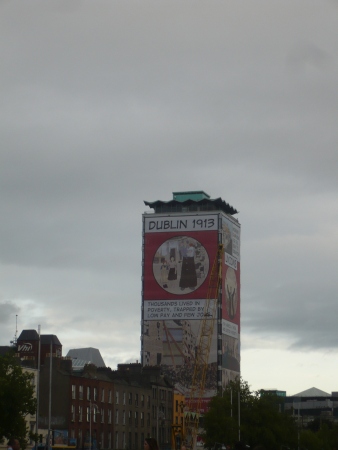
[105, 104]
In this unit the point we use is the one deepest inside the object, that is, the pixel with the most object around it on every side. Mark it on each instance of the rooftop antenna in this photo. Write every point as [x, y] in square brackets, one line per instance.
[14, 341]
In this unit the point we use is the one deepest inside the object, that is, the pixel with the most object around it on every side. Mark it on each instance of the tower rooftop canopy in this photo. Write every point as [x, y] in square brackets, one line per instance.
[191, 201]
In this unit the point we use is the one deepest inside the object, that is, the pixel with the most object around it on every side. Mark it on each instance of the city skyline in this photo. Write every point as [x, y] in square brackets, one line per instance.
[107, 105]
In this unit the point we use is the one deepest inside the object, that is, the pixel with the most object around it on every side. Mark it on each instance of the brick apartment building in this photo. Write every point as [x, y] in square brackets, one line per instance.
[117, 409]
[114, 409]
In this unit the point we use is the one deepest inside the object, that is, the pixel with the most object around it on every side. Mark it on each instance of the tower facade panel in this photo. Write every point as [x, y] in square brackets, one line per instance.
[179, 250]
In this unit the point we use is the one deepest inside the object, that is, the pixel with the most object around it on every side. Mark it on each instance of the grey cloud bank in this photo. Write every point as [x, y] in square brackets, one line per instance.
[107, 104]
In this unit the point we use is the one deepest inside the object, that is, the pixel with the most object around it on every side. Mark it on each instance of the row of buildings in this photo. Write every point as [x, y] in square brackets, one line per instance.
[190, 315]
[80, 402]
[185, 242]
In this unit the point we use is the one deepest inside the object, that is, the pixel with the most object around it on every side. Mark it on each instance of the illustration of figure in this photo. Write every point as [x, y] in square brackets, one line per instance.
[180, 265]
[188, 272]
[172, 274]
[164, 272]
[182, 250]
[231, 297]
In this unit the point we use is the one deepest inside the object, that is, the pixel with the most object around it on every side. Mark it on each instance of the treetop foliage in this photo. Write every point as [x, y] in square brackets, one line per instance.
[16, 398]
[251, 417]
[262, 423]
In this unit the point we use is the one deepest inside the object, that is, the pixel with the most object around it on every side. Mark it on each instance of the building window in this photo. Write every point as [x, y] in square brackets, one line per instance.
[94, 414]
[102, 415]
[102, 395]
[123, 417]
[80, 438]
[130, 398]
[72, 433]
[148, 401]
[81, 392]
[124, 398]
[136, 441]
[73, 413]
[154, 393]
[88, 393]
[117, 417]
[124, 439]
[117, 440]
[73, 391]
[109, 440]
[142, 419]
[117, 397]
[129, 417]
[148, 419]
[136, 418]
[80, 413]
[88, 413]
[109, 396]
[95, 394]
[136, 399]
[102, 440]
[142, 400]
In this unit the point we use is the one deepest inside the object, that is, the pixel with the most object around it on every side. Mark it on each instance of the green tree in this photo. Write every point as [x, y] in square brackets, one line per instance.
[221, 421]
[333, 437]
[261, 419]
[309, 440]
[320, 433]
[16, 398]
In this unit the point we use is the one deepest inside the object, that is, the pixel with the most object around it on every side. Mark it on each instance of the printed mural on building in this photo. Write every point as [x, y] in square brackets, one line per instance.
[177, 259]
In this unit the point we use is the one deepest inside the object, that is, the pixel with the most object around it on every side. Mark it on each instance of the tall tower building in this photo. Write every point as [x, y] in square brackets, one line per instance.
[180, 243]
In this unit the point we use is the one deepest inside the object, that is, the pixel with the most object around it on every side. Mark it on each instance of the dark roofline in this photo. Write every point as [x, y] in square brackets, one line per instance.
[6, 349]
[205, 204]
[32, 335]
[48, 338]
[28, 335]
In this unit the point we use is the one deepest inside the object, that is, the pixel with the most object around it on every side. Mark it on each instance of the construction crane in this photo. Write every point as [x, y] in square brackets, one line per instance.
[197, 389]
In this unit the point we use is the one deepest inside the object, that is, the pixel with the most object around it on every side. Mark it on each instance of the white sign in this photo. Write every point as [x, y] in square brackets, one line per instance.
[181, 223]
[25, 347]
[174, 309]
[229, 328]
[230, 261]
[231, 234]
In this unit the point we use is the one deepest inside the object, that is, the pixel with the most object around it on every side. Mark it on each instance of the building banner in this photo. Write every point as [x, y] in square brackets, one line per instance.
[230, 301]
[177, 265]
[178, 256]
[174, 309]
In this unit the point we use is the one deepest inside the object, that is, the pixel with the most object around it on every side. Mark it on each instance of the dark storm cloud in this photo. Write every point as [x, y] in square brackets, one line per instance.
[7, 310]
[297, 310]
